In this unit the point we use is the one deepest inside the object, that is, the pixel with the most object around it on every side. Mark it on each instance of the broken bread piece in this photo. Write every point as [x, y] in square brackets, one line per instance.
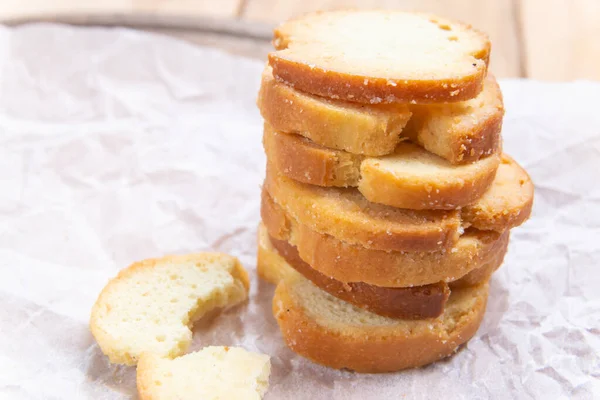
[378, 56]
[410, 178]
[213, 373]
[347, 262]
[458, 132]
[150, 306]
[334, 333]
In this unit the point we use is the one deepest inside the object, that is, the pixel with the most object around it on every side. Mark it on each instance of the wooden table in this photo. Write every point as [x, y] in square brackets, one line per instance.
[540, 39]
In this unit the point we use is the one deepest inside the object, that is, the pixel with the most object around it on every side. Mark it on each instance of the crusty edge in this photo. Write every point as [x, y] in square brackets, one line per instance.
[372, 90]
[310, 163]
[353, 263]
[416, 236]
[362, 352]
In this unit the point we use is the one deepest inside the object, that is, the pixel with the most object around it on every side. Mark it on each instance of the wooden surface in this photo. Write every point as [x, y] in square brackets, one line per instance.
[541, 39]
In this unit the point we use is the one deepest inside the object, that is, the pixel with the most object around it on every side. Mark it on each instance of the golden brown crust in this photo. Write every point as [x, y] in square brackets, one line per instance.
[374, 348]
[507, 203]
[347, 215]
[360, 129]
[390, 180]
[312, 57]
[417, 302]
[333, 84]
[354, 263]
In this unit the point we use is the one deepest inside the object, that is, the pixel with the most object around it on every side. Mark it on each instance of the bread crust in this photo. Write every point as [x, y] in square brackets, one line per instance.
[347, 215]
[355, 263]
[375, 349]
[301, 42]
[459, 132]
[446, 188]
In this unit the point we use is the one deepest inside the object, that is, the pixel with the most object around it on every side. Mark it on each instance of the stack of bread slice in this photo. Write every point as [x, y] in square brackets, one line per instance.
[388, 201]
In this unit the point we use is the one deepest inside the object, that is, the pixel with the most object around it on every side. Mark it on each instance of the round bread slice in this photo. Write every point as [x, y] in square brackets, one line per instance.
[354, 263]
[381, 56]
[211, 373]
[277, 259]
[410, 178]
[458, 132]
[508, 201]
[150, 306]
[347, 215]
[357, 128]
[334, 333]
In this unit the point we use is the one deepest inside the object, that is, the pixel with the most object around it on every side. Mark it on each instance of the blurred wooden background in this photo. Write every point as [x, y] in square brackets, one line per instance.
[540, 39]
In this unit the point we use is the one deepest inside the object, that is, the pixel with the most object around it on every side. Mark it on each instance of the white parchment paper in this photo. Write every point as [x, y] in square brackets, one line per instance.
[117, 146]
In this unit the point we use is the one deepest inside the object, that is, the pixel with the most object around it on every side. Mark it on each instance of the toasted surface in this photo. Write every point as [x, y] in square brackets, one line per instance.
[347, 215]
[213, 373]
[508, 201]
[459, 132]
[357, 128]
[150, 306]
[410, 178]
[355, 263]
[334, 333]
[381, 57]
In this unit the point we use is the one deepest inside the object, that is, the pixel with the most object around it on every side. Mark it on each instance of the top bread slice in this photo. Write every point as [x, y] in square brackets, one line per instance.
[459, 132]
[213, 373]
[150, 306]
[381, 56]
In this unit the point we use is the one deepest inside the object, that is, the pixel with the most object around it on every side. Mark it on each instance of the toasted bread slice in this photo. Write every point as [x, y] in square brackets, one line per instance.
[381, 56]
[411, 177]
[357, 128]
[150, 306]
[355, 263]
[347, 215]
[459, 132]
[508, 201]
[334, 333]
[213, 373]
[278, 258]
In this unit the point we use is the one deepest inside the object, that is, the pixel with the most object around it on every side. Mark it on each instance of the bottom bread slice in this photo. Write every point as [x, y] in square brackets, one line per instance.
[336, 334]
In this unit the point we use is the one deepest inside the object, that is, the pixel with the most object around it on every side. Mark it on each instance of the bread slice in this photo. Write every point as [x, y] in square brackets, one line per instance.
[507, 203]
[381, 56]
[347, 215]
[150, 306]
[411, 177]
[213, 373]
[354, 263]
[459, 132]
[357, 128]
[277, 258]
[334, 333]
